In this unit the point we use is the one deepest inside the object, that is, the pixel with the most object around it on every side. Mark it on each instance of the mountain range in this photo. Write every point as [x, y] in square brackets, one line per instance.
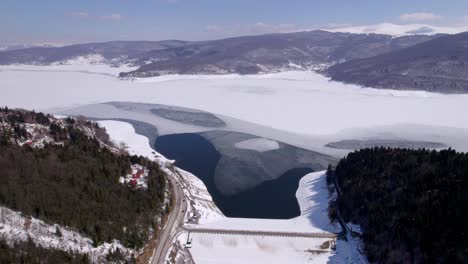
[434, 62]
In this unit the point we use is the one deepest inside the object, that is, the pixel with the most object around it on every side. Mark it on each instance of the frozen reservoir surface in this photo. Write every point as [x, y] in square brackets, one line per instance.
[300, 102]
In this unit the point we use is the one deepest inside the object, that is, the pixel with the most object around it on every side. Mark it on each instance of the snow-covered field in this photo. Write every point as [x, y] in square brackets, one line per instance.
[220, 249]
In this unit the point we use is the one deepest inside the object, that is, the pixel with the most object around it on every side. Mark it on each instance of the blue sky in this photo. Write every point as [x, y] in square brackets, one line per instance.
[75, 21]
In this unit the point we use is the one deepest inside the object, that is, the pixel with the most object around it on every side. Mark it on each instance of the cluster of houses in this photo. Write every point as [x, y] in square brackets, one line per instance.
[38, 136]
[137, 177]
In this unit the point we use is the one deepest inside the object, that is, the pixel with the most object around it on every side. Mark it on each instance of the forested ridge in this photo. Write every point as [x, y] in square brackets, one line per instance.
[76, 183]
[412, 205]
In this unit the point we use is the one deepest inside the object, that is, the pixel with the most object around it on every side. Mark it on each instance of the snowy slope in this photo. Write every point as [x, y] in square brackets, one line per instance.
[14, 227]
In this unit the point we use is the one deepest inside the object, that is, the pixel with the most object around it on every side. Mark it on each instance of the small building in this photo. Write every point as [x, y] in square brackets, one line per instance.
[133, 182]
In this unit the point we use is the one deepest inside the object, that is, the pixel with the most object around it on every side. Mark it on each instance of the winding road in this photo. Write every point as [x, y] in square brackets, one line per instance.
[175, 219]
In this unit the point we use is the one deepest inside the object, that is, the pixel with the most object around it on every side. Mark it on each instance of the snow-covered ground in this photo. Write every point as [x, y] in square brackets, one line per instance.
[220, 249]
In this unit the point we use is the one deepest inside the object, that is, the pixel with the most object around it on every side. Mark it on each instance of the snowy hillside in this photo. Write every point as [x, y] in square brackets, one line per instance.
[14, 228]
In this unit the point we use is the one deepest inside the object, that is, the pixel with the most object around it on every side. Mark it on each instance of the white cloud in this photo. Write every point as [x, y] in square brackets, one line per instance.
[80, 14]
[112, 17]
[420, 16]
[85, 15]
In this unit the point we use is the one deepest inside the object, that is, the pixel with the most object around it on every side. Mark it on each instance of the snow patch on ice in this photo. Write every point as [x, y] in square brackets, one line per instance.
[258, 144]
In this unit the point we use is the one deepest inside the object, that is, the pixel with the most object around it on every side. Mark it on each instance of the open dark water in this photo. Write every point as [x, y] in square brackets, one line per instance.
[275, 199]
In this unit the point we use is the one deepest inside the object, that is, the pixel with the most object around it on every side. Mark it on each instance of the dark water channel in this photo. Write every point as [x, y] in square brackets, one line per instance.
[273, 199]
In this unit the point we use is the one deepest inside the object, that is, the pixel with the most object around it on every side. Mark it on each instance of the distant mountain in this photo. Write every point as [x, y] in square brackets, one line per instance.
[108, 52]
[5, 47]
[242, 55]
[268, 53]
[438, 65]
[399, 30]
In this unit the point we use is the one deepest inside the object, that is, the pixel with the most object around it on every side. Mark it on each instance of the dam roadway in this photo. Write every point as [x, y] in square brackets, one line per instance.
[258, 233]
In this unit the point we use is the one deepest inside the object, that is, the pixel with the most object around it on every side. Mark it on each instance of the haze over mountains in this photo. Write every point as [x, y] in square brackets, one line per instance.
[433, 62]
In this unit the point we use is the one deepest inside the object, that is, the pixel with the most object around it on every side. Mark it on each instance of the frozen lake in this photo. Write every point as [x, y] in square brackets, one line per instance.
[299, 102]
